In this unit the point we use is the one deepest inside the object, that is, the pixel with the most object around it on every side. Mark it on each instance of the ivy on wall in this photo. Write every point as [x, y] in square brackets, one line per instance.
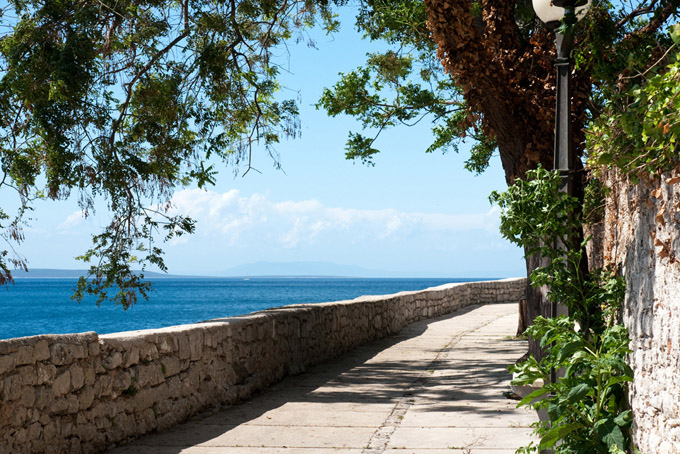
[639, 129]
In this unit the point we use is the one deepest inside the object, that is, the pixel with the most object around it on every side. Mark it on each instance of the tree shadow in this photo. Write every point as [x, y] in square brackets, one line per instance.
[471, 382]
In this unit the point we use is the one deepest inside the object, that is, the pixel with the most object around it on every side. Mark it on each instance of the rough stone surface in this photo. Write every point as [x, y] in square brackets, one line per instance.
[642, 237]
[82, 392]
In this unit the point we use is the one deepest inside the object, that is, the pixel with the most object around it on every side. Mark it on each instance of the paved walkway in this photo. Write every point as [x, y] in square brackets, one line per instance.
[435, 388]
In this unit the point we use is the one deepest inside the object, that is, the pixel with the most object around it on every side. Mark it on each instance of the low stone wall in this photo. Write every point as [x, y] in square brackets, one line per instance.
[82, 393]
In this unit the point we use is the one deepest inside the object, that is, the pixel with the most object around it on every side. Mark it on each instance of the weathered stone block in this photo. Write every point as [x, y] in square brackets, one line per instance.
[27, 398]
[167, 345]
[175, 386]
[143, 400]
[195, 345]
[11, 387]
[170, 366]
[62, 384]
[77, 377]
[28, 375]
[50, 431]
[132, 356]
[45, 373]
[184, 349]
[7, 363]
[149, 375]
[112, 360]
[121, 381]
[58, 405]
[89, 374]
[24, 355]
[86, 398]
[148, 352]
[60, 354]
[94, 348]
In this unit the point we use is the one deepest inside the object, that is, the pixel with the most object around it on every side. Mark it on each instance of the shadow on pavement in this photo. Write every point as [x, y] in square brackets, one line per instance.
[468, 382]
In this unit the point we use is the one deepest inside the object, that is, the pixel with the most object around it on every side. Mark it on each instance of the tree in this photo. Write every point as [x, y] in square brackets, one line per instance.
[501, 89]
[128, 100]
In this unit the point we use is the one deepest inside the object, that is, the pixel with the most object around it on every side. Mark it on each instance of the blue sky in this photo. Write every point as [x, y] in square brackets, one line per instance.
[412, 214]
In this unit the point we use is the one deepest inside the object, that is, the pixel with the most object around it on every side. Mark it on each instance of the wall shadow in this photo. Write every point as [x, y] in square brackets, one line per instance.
[471, 382]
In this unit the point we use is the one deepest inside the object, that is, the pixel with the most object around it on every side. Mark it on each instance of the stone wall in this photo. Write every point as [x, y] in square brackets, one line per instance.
[82, 393]
[642, 237]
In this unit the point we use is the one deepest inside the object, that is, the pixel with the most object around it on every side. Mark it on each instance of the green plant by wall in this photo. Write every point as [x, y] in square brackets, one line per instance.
[587, 404]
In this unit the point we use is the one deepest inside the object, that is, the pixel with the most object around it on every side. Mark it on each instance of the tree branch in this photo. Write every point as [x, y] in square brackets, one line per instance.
[145, 68]
[655, 23]
[635, 13]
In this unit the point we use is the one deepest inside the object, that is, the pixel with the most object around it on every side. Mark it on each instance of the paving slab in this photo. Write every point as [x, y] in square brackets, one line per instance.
[436, 387]
[459, 437]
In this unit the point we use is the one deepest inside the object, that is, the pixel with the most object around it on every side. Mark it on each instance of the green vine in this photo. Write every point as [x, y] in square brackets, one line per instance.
[639, 129]
[587, 404]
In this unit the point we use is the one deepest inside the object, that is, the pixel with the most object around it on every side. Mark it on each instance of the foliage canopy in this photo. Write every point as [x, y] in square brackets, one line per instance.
[499, 85]
[128, 100]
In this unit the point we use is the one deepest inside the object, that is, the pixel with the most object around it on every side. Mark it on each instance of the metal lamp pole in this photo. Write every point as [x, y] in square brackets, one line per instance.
[555, 13]
[564, 150]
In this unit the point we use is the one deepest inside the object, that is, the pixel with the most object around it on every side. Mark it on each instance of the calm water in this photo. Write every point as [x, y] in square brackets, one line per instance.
[39, 306]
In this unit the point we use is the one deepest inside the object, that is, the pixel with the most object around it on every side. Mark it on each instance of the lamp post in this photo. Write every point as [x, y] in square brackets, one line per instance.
[567, 13]
[554, 13]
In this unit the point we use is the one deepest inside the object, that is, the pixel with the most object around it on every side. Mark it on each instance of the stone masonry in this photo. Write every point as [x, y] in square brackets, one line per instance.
[642, 238]
[83, 393]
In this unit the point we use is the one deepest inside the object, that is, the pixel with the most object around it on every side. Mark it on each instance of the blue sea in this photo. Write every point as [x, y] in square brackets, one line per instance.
[44, 306]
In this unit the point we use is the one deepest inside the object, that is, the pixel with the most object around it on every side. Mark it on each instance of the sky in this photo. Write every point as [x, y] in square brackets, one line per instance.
[411, 215]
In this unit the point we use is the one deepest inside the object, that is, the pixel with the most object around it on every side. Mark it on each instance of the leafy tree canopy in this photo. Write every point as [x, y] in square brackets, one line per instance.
[500, 85]
[403, 85]
[127, 100]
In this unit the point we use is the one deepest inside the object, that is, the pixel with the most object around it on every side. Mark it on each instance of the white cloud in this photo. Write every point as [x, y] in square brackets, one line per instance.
[241, 220]
[72, 221]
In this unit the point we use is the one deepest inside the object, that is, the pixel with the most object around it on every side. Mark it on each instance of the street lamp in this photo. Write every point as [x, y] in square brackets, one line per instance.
[567, 13]
[553, 13]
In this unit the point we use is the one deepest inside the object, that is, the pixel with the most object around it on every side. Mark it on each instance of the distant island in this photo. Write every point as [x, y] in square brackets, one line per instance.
[48, 273]
[307, 269]
[298, 269]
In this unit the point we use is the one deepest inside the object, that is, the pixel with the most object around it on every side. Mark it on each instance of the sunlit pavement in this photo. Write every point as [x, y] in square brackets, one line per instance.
[437, 387]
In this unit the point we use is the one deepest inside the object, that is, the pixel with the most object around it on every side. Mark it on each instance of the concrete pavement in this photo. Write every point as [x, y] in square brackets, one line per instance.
[435, 388]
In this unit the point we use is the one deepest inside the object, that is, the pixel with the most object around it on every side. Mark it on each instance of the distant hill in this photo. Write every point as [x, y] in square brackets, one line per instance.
[47, 273]
[258, 269]
[301, 269]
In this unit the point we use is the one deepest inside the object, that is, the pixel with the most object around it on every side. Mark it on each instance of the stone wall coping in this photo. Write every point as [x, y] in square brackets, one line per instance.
[237, 320]
[8, 345]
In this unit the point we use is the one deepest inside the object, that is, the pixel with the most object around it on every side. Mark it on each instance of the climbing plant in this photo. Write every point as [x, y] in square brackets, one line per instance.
[586, 405]
[639, 129]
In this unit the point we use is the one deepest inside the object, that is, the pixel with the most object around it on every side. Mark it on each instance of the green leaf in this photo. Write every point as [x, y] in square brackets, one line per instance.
[557, 433]
[569, 349]
[624, 419]
[674, 32]
[578, 392]
[532, 396]
[610, 433]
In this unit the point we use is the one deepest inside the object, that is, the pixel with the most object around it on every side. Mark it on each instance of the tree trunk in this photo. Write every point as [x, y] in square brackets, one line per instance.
[523, 322]
[537, 302]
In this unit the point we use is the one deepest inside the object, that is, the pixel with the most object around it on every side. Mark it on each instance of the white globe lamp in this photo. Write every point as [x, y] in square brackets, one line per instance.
[550, 11]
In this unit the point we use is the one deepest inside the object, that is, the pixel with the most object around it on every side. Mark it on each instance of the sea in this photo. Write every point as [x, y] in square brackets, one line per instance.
[35, 306]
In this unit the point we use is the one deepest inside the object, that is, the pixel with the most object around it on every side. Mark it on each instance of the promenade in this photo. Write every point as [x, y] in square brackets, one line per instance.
[435, 388]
